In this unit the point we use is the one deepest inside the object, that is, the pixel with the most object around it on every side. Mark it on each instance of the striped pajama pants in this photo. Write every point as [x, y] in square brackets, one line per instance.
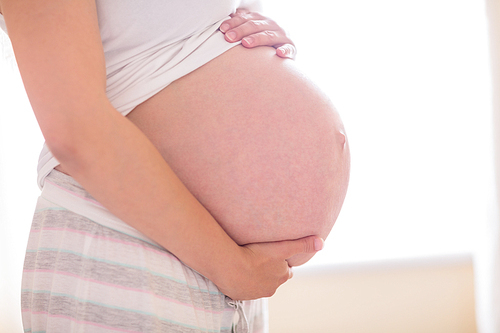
[83, 275]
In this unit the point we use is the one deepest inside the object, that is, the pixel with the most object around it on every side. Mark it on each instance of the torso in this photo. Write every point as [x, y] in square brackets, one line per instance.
[256, 142]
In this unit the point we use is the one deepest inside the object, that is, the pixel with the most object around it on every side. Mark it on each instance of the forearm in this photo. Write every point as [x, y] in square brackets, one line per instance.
[118, 165]
[122, 169]
[59, 52]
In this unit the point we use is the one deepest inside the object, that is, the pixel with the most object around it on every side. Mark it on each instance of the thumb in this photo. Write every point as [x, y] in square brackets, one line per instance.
[286, 51]
[308, 244]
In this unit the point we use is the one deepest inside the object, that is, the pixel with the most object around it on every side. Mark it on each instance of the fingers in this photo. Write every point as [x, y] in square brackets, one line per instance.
[309, 244]
[254, 30]
[241, 16]
[286, 275]
[265, 38]
[264, 267]
[286, 51]
[265, 32]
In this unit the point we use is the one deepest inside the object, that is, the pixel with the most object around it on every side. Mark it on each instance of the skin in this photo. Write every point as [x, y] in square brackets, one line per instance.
[63, 71]
[256, 143]
[254, 29]
[261, 211]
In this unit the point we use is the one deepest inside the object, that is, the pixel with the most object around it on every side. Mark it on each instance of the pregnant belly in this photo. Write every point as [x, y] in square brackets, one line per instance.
[257, 144]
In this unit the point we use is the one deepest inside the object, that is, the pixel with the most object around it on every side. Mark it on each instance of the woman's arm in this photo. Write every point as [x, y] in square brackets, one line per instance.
[60, 57]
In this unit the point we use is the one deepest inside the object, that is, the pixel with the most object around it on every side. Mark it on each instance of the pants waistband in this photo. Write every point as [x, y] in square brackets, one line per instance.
[65, 192]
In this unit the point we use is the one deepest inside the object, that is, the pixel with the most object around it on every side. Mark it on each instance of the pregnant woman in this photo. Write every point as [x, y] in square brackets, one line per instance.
[183, 173]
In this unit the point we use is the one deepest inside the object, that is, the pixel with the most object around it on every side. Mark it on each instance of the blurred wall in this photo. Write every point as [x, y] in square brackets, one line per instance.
[487, 259]
[414, 296]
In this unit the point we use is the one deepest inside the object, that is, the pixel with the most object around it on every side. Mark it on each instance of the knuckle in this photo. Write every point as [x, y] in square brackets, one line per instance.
[237, 20]
[270, 35]
[249, 15]
[244, 16]
[271, 290]
[253, 24]
[283, 279]
[308, 245]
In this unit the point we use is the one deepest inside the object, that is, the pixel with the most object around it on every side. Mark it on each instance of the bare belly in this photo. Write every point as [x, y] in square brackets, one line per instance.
[257, 144]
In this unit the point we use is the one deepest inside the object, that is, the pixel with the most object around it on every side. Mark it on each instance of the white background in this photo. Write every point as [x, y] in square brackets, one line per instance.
[411, 82]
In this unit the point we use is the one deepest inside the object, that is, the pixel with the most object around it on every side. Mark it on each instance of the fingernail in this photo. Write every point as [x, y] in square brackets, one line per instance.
[318, 244]
[224, 27]
[231, 35]
[248, 40]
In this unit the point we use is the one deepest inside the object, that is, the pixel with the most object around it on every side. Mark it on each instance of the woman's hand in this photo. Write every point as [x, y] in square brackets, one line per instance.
[264, 267]
[254, 29]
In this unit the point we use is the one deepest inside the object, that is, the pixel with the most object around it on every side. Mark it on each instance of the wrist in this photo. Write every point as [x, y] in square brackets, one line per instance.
[229, 269]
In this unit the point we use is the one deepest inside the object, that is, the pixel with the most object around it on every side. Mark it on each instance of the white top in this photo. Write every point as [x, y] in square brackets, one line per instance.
[149, 44]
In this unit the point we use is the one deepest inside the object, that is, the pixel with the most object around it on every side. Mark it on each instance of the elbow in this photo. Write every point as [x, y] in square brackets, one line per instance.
[75, 138]
[62, 146]
[70, 143]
